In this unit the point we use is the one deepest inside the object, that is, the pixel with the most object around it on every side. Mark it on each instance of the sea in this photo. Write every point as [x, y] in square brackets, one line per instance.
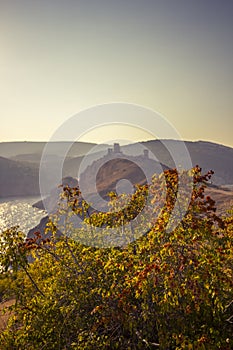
[19, 212]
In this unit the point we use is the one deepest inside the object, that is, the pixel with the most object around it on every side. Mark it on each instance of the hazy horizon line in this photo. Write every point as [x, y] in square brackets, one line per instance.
[123, 144]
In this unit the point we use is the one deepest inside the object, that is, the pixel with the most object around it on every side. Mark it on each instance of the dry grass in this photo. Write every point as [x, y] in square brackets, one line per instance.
[222, 197]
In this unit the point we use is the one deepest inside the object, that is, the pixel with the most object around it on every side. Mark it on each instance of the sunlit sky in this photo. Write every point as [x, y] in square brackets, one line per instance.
[60, 57]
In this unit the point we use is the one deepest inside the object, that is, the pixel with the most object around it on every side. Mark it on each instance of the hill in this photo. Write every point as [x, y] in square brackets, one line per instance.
[223, 198]
[106, 173]
[17, 179]
[32, 151]
[208, 155]
[20, 174]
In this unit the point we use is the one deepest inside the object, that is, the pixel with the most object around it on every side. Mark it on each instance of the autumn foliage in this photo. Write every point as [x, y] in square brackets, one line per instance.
[160, 288]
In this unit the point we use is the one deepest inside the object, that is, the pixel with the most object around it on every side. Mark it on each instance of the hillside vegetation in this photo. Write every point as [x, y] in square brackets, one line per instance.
[157, 288]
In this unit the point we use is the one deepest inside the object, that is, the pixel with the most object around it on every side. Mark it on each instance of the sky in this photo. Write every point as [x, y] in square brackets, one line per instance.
[59, 57]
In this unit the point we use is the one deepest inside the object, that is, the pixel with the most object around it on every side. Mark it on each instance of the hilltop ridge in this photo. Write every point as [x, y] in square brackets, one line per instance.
[20, 161]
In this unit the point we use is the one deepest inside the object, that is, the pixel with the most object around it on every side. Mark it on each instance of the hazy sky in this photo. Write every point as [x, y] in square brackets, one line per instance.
[60, 57]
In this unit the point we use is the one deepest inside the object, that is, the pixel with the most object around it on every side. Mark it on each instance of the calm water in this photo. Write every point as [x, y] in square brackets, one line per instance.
[19, 211]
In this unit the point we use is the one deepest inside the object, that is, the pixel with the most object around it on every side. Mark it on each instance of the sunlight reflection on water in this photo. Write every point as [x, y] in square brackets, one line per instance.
[19, 212]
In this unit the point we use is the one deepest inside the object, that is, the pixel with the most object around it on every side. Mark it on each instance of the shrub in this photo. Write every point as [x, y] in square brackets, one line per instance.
[166, 290]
